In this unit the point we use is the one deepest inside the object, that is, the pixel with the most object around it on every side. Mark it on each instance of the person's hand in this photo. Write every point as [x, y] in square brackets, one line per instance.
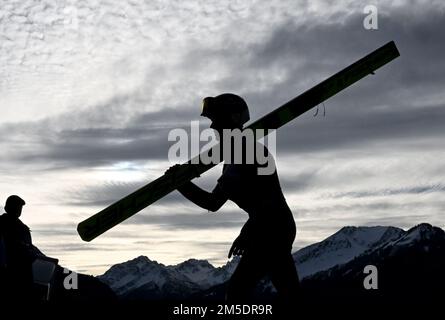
[238, 247]
[173, 169]
[173, 172]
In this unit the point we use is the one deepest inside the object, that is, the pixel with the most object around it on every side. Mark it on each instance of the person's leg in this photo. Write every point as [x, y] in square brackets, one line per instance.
[284, 277]
[243, 281]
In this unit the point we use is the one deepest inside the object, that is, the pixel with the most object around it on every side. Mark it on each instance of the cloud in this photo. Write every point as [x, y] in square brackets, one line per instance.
[54, 229]
[388, 192]
[191, 221]
[103, 195]
[86, 111]
[112, 131]
[358, 130]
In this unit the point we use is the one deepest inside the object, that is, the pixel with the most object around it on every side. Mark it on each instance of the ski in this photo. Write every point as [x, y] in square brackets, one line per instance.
[128, 206]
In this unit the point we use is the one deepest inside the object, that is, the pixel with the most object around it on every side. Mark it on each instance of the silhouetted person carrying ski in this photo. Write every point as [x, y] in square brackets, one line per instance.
[16, 253]
[265, 241]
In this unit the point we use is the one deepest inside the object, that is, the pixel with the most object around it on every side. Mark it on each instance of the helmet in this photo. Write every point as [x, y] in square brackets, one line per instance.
[227, 108]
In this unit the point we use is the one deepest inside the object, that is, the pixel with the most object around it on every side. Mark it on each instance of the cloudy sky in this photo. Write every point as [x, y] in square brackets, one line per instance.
[90, 89]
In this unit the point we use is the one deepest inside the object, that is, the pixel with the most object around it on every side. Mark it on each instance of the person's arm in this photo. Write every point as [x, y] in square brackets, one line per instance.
[25, 243]
[211, 201]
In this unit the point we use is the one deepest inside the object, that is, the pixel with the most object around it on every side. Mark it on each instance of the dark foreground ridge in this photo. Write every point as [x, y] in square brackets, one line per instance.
[410, 277]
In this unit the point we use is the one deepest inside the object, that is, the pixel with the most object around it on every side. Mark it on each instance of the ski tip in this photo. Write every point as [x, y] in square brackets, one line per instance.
[394, 48]
[83, 232]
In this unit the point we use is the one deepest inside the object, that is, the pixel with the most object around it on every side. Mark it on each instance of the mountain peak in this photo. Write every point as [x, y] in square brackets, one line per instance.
[419, 233]
[194, 263]
[423, 228]
[347, 243]
[348, 229]
[140, 259]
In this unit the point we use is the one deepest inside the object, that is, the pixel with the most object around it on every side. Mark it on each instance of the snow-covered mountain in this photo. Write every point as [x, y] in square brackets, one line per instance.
[143, 278]
[341, 247]
[410, 272]
[189, 276]
[421, 233]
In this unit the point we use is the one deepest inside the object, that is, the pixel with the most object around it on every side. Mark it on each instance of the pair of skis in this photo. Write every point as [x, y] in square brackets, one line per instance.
[157, 189]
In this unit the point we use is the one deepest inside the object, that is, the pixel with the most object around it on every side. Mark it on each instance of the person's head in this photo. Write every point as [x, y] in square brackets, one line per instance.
[226, 111]
[14, 205]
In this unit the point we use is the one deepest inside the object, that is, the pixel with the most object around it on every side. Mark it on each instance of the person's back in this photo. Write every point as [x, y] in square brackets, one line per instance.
[17, 251]
[260, 195]
[17, 238]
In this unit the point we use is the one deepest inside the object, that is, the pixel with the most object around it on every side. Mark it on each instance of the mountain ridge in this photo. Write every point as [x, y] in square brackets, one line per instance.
[142, 278]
